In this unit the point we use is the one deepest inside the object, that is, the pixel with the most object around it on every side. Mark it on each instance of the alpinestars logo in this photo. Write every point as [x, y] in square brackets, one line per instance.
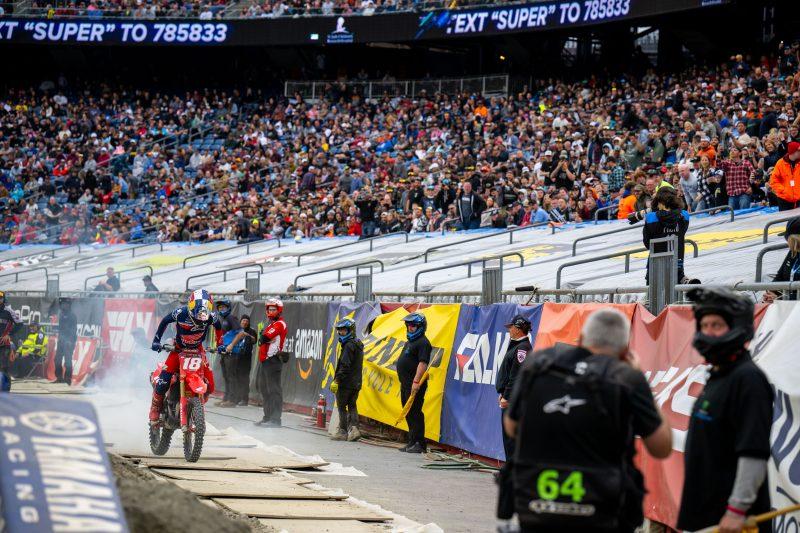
[562, 405]
[121, 323]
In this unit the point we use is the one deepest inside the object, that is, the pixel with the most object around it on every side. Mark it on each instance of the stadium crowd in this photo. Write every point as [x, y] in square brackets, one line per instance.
[112, 164]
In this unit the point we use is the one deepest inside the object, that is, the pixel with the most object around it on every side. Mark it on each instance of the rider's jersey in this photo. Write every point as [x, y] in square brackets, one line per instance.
[8, 320]
[188, 332]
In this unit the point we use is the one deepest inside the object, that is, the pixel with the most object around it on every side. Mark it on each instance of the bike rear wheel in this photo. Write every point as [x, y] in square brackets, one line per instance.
[193, 436]
[160, 438]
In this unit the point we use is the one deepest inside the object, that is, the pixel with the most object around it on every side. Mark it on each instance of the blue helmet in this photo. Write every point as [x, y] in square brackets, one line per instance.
[200, 305]
[416, 319]
[350, 326]
[5, 383]
[226, 303]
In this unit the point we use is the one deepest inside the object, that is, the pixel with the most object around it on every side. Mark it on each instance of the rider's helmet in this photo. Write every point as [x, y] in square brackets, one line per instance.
[736, 310]
[226, 304]
[274, 307]
[346, 329]
[200, 305]
[419, 322]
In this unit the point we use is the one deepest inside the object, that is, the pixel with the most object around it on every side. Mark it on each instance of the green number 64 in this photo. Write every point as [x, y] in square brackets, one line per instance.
[549, 488]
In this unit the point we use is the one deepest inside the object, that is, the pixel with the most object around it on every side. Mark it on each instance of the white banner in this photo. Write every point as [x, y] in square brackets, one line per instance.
[775, 349]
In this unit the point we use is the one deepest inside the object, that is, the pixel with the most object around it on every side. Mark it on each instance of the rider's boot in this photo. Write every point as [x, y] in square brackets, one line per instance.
[155, 407]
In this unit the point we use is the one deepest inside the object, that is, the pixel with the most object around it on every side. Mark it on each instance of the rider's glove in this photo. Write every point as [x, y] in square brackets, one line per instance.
[156, 346]
[334, 387]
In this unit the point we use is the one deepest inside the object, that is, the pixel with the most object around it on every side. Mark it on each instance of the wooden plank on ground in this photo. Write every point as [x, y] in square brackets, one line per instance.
[226, 476]
[181, 464]
[321, 526]
[268, 488]
[174, 454]
[303, 509]
[277, 460]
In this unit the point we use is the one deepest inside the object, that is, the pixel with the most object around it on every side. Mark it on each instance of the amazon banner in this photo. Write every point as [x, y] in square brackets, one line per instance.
[380, 393]
[302, 375]
[481, 341]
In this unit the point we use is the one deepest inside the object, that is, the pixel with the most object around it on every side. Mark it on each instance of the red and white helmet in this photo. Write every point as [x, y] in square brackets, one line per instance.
[274, 307]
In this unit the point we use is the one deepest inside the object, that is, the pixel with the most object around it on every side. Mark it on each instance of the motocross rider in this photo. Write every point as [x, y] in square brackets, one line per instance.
[191, 324]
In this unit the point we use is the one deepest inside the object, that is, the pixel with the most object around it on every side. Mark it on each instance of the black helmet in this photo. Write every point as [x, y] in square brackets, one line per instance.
[736, 310]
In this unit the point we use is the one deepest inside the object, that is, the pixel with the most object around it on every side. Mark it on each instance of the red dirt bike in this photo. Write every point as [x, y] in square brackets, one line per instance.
[183, 405]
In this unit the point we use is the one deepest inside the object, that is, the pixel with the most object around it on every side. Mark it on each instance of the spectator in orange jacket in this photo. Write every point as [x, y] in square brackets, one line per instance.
[627, 205]
[785, 179]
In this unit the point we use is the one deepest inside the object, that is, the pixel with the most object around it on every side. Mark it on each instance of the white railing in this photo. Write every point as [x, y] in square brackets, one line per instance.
[486, 85]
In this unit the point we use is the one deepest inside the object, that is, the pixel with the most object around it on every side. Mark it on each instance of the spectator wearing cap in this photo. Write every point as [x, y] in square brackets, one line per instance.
[785, 179]
[738, 175]
[519, 345]
[148, 284]
[790, 268]
[630, 195]
[616, 175]
[563, 175]
[707, 149]
[534, 214]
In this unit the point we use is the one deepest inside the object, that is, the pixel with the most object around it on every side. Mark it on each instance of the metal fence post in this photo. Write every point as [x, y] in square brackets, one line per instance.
[52, 288]
[252, 284]
[662, 272]
[492, 285]
[363, 287]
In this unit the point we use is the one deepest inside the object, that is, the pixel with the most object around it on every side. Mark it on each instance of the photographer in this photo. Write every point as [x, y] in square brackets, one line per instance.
[669, 218]
[563, 175]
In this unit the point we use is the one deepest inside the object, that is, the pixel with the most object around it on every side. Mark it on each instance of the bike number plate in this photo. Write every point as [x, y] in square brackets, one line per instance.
[192, 363]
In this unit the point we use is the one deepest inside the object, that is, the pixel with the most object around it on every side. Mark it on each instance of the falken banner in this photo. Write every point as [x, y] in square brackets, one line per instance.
[481, 341]
[54, 470]
[337, 30]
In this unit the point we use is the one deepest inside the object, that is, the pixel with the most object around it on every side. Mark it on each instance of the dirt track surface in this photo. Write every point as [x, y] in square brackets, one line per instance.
[151, 504]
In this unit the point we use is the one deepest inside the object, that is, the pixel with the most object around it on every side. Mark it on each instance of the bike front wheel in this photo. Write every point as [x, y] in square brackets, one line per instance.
[193, 436]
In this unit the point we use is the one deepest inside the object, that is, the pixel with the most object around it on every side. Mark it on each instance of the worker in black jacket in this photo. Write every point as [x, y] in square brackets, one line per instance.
[347, 380]
[9, 322]
[518, 348]
[669, 218]
[67, 336]
[790, 268]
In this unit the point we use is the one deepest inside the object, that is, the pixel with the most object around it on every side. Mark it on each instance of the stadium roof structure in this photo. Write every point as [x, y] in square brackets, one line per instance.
[727, 252]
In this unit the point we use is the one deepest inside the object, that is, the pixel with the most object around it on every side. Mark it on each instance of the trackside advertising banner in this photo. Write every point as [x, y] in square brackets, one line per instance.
[480, 343]
[54, 471]
[302, 375]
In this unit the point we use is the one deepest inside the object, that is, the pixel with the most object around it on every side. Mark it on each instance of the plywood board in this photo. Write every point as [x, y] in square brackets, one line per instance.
[313, 510]
[269, 488]
[226, 476]
[276, 460]
[175, 454]
[321, 526]
[232, 466]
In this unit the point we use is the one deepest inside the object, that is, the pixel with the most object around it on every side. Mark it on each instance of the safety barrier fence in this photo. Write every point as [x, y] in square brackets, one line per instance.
[461, 402]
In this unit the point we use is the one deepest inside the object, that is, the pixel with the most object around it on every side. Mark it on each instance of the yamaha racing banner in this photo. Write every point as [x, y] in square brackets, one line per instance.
[481, 341]
[54, 471]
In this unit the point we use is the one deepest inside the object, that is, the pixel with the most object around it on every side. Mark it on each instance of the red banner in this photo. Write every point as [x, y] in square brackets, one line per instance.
[563, 322]
[120, 318]
[82, 357]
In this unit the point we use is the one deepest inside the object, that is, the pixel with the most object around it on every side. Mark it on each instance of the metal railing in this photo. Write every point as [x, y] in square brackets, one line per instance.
[485, 85]
[118, 273]
[774, 222]
[338, 270]
[26, 271]
[634, 226]
[224, 272]
[609, 208]
[760, 258]
[353, 243]
[243, 245]
[626, 253]
[469, 264]
[131, 249]
[510, 232]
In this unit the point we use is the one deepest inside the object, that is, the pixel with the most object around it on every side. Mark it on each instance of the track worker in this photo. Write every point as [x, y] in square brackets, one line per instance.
[518, 347]
[347, 380]
[727, 445]
[411, 365]
[230, 327]
[271, 357]
[574, 413]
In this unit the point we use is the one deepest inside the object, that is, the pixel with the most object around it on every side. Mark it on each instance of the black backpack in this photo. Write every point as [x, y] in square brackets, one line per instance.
[570, 461]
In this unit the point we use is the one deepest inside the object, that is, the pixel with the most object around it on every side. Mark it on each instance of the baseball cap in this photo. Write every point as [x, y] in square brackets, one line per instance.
[521, 322]
[792, 228]
[548, 152]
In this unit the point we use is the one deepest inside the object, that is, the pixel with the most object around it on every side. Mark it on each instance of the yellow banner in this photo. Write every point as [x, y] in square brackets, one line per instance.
[380, 393]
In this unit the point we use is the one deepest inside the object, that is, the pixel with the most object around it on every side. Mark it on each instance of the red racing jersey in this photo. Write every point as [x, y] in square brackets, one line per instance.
[272, 337]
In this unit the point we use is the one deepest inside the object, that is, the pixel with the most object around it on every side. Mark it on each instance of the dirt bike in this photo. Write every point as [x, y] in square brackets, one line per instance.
[183, 404]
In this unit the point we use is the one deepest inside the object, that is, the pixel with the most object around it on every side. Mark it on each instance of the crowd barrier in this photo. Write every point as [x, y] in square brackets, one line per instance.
[461, 403]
